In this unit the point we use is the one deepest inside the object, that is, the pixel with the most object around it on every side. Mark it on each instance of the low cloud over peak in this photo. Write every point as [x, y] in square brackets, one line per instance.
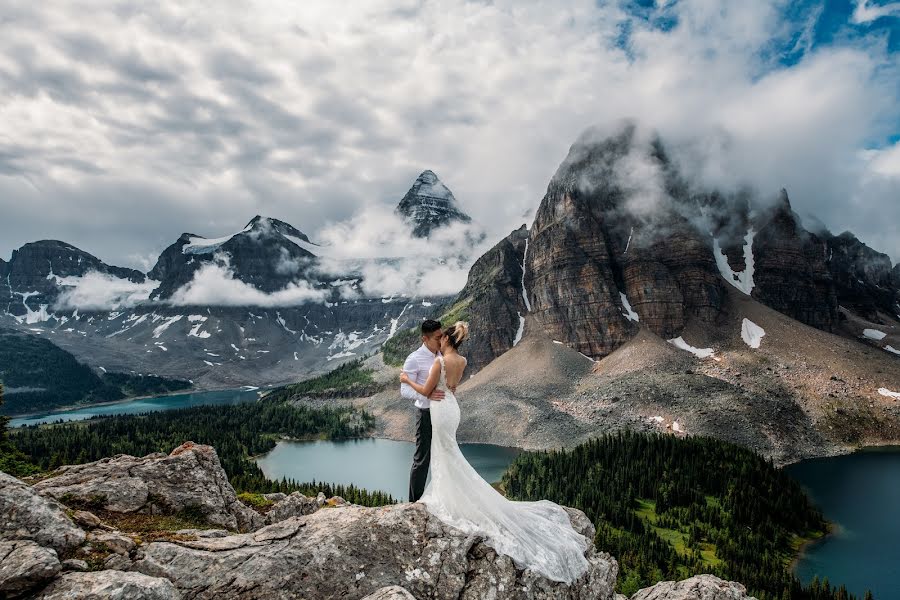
[182, 118]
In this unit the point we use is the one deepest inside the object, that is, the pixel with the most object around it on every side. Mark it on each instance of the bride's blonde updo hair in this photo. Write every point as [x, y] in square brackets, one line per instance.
[457, 333]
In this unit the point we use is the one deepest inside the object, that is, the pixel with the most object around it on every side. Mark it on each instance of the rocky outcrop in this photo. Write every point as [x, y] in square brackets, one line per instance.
[791, 274]
[293, 505]
[190, 478]
[320, 549]
[493, 302]
[25, 515]
[109, 585]
[863, 278]
[701, 587]
[352, 552]
[429, 205]
[597, 247]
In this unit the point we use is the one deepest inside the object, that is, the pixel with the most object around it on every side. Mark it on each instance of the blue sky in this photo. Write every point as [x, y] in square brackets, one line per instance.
[127, 124]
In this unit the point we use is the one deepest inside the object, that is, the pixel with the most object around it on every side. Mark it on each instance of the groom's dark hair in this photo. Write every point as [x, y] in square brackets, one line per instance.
[430, 326]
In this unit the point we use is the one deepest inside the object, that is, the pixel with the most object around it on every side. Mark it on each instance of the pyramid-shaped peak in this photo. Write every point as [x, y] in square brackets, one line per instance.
[429, 204]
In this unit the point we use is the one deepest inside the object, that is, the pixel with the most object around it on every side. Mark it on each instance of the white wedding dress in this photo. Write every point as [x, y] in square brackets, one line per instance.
[536, 535]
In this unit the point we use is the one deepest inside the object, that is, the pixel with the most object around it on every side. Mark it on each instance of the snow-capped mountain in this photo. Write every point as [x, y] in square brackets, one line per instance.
[38, 273]
[645, 303]
[267, 254]
[429, 204]
[263, 305]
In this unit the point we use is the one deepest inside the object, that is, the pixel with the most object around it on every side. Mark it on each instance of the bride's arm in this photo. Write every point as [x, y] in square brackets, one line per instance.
[433, 376]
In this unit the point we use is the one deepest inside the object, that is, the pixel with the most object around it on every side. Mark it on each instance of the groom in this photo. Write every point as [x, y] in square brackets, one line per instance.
[417, 366]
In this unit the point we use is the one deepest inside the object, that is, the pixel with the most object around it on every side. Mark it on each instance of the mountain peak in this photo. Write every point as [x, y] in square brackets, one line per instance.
[429, 205]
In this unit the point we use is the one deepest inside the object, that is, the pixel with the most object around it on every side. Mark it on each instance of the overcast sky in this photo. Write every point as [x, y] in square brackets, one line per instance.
[126, 124]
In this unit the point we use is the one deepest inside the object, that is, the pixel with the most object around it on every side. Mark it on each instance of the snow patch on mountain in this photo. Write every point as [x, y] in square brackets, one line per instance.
[158, 331]
[698, 352]
[888, 393]
[751, 333]
[892, 350]
[874, 334]
[628, 312]
[743, 281]
[198, 244]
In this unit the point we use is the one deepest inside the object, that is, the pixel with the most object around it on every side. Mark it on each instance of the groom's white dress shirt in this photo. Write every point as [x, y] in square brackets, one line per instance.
[417, 366]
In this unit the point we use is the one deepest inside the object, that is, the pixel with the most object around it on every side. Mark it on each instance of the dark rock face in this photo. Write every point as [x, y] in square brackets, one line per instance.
[429, 205]
[494, 301]
[29, 279]
[266, 254]
[863, 278]
[590, 252]
[791, 272]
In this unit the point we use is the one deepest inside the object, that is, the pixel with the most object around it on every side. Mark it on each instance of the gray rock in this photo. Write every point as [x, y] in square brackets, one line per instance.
[275, 497]
[117, 562]
[24, 515]
[700, 587]
[191, 477]
[24, 565]
[203, 533]
[295, 505]
[354, 552]
[391, 592]
[116, 542]
[109, 585]
[87, 520]
[74, 564]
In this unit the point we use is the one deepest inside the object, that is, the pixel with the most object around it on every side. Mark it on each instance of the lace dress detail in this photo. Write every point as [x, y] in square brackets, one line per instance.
[536, 535]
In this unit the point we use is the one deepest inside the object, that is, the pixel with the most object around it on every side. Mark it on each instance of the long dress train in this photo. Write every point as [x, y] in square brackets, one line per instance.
[536, 535]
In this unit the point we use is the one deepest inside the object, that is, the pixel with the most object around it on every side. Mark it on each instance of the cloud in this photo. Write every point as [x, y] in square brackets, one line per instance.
[181, 118]
[214, 285]
[866, 11]
[378, 245]
[100, 291]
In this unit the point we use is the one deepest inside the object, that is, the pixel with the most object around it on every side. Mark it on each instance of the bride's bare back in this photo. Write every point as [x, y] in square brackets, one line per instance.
[454, 366]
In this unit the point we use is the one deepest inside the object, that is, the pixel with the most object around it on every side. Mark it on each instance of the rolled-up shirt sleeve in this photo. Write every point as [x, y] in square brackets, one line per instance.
[411, 368]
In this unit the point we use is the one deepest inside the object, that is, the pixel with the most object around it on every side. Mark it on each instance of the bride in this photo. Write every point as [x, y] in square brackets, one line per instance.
[536, 535]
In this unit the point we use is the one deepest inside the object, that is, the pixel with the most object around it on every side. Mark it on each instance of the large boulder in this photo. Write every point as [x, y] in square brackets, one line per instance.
[352, 552]
[24, 565]
[190, 478]
[25, 515]
[700, 587]
[109, 585]
[294, 505]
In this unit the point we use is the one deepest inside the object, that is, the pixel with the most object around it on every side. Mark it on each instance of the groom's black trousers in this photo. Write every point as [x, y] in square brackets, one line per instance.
[422, 458]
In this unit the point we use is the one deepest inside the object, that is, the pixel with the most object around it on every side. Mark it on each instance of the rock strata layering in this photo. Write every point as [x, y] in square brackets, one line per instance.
[191, 477]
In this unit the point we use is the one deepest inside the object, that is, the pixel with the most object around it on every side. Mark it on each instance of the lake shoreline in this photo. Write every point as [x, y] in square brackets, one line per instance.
[124, 401]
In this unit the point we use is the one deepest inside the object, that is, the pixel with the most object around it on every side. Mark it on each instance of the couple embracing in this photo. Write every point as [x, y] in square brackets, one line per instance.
[536, 535]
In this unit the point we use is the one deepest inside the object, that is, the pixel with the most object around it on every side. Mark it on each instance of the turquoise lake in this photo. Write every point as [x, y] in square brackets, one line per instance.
[859, 492]
[142, 405]
[374, 464]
